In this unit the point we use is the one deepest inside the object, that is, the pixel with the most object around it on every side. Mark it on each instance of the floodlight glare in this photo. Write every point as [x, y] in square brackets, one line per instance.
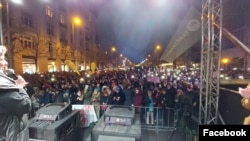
[17, 1]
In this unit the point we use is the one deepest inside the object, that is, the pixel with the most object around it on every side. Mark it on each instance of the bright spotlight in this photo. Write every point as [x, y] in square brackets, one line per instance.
[159, 2]
[17, 1]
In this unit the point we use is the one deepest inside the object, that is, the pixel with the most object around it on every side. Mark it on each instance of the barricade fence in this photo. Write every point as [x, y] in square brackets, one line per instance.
[155, 118]
[150, 118]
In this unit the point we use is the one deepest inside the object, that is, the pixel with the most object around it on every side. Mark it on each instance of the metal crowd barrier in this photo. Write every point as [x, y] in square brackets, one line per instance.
[167, 118]
[155, 119]
[158, 118]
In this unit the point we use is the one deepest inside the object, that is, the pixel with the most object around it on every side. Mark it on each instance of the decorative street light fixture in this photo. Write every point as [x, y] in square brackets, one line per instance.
[158, 49]
[113, 49]
[76, 21]
[225, 61]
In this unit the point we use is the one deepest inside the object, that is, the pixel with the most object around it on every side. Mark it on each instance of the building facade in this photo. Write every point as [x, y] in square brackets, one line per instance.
[42, 35]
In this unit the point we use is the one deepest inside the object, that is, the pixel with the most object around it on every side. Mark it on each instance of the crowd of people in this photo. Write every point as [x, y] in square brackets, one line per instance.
[150, 90]
[134, 87]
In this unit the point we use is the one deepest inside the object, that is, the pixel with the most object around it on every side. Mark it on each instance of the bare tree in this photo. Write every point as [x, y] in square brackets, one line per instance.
[40, 48]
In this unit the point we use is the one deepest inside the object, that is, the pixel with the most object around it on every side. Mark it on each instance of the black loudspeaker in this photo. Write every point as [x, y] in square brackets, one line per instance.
[53, 112]
[121, 115]
[54, 127]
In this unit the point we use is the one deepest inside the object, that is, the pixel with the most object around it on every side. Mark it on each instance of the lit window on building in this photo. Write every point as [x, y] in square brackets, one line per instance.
[62, 19]
[27, 42]
[49, 11]
[50, 29]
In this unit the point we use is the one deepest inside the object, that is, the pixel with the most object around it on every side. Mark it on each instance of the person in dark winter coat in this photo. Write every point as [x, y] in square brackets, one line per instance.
[118, 97]
[15, 104]
[127, 90]
[104, 99]
[166, 105]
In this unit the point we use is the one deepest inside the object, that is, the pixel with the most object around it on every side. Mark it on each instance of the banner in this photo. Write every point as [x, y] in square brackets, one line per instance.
[154, 79]
[186, 35]
[87, 114]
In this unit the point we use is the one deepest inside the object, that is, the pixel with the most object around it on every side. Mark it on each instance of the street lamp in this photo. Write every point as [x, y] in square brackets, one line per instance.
[225, 61]
[158, 49]
[76, 21]
[113, 49]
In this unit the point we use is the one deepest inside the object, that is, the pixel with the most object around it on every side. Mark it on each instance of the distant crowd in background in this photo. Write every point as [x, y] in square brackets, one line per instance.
[140, 87]
[235, 74]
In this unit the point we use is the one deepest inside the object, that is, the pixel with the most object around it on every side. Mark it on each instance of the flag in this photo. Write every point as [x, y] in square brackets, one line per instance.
[72, 66]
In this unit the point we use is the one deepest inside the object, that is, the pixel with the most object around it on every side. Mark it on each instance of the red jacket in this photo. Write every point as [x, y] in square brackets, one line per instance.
[138, 99]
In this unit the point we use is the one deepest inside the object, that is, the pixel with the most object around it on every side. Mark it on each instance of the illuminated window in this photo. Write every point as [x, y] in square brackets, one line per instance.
[62, 19]
[27, 42]
[49, 11]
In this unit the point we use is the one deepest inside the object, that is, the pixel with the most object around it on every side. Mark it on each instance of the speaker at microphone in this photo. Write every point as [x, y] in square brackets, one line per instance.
[11, 73]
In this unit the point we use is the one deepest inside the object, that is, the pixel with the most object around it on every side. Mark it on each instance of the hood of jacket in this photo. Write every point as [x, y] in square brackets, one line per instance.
[7, 82]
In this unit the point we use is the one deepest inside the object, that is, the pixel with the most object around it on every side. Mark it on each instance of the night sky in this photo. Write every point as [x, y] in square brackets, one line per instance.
[135, 27]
